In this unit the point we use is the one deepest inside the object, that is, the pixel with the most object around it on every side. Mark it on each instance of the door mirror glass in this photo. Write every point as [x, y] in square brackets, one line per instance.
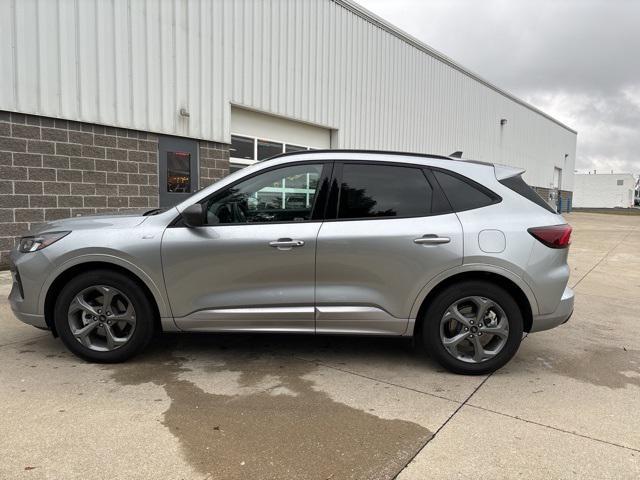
[282, 195]
[193, 216]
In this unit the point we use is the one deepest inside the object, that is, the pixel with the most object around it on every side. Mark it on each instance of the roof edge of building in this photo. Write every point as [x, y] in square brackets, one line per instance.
[410, 39]
[604, 173]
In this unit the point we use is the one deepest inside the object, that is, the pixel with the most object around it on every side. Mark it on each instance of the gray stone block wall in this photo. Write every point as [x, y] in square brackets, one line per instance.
[214, 162]
[52, 169]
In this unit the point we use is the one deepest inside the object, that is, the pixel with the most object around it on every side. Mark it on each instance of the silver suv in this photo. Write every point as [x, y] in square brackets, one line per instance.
[463, 256]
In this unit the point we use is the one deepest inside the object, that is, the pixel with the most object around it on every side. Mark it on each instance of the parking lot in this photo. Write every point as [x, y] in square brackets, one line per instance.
[251, 406]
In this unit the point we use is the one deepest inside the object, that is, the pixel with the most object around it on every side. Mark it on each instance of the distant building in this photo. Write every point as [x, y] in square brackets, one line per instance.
[604, 190]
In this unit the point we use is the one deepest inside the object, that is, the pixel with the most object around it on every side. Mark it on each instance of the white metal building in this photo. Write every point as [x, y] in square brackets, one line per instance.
[604, 190]
[205, 81]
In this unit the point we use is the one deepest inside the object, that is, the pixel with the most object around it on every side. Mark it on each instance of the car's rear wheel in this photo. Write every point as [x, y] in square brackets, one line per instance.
[473, 327]
[104, 316]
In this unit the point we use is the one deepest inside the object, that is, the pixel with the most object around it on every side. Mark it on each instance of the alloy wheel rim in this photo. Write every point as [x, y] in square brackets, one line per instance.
[474, 329]
[101, 318]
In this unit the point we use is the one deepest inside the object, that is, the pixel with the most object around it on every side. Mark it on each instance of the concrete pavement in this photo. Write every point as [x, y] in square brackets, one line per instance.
[247, 406]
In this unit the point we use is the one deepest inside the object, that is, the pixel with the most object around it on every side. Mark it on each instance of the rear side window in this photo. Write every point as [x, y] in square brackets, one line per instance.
[463, 194]
[518, 185]
[383, 191]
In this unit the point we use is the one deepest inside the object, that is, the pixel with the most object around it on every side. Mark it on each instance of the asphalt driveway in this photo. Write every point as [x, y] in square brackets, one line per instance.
[249, 406]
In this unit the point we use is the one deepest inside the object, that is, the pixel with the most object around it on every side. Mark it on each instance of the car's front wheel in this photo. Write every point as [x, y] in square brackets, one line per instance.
[473, 327]
[104, 316]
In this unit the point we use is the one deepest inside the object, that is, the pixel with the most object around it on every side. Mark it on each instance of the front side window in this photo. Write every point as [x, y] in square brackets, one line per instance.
[282, 195]
[374, 191]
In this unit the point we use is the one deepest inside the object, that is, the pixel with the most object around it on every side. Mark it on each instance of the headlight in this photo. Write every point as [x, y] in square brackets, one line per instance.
[38, 242]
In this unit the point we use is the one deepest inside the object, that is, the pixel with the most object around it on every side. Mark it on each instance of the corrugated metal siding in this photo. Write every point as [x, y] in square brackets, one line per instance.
[136, 63]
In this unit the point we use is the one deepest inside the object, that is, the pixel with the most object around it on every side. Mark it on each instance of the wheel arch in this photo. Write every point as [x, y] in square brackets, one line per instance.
[521, 293]
[61, 277]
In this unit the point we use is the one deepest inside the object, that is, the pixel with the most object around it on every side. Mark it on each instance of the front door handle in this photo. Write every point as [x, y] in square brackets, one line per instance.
[286, 243]
[431, 239]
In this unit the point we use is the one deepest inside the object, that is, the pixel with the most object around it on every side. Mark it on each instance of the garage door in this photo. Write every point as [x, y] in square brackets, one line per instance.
[257, 136]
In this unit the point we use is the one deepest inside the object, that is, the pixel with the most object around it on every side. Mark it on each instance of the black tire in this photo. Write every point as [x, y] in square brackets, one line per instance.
[433, 314]
[144, 314]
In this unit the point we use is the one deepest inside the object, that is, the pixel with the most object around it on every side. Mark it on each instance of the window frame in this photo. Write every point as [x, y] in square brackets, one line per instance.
[246, 162]
[319, 202]
[333, 202]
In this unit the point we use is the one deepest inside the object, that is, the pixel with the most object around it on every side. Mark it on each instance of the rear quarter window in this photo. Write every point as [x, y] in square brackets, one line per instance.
[518, 185]
[463, 193]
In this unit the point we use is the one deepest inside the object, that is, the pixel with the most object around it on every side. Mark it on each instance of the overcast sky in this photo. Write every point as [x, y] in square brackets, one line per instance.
[578, 60]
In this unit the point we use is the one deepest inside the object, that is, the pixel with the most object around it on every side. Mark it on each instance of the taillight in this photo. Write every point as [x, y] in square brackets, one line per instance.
[554, 236]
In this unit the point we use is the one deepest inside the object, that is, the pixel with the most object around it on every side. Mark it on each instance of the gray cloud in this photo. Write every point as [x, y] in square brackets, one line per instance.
[578, 60]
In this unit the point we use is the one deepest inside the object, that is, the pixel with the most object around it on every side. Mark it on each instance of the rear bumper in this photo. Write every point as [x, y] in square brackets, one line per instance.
[560, 316]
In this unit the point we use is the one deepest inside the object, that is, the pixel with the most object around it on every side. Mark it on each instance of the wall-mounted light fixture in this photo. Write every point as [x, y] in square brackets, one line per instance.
[503, 122]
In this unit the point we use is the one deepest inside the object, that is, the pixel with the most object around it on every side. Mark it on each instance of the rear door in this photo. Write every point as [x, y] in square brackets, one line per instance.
[387, 233]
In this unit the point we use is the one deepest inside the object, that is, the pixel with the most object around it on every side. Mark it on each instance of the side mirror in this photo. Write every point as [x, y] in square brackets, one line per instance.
[193, 216]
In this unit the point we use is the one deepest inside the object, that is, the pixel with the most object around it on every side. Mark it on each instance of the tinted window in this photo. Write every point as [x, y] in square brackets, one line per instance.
[268, 149]
[518, 185]
[242, 147]
[282, 195]
[383, 191]
[178, 172]
[462, 195]
[294, 148]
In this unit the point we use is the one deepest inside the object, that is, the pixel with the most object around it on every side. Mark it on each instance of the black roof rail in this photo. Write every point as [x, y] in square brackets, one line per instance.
[380, 152]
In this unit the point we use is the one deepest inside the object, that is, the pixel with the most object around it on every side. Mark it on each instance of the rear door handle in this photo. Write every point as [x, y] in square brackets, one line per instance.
[431, 239]
[286, 243]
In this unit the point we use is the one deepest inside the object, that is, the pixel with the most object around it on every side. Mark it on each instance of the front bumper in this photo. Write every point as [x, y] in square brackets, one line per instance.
[561, 315]
[24, 310]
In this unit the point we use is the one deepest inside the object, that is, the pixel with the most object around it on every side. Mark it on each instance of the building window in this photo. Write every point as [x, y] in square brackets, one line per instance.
[620, 182]
[242, 147]
[267, 149]
[247, 150]
[294, 148]
[178, 172]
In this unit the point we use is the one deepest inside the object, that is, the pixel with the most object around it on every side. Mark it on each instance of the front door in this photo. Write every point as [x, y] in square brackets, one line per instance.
[252, 267]
[178, 164]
